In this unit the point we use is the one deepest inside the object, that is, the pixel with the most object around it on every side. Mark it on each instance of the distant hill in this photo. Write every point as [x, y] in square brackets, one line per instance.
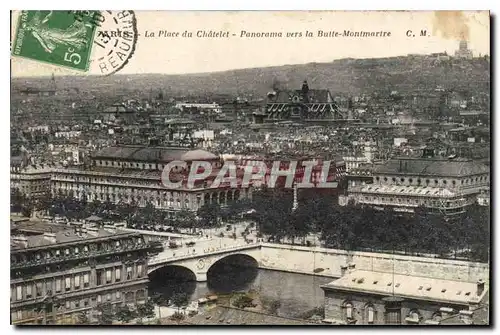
[346, 76]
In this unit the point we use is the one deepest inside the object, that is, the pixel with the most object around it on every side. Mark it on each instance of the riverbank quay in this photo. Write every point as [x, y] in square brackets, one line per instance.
[334, 263]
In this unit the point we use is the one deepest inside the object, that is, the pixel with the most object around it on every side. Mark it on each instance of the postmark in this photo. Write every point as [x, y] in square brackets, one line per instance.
[97, 42]
[114, 42]
[54, 37]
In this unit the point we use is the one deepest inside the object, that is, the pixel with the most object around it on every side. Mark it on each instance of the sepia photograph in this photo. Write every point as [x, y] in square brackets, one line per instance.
[244, 168]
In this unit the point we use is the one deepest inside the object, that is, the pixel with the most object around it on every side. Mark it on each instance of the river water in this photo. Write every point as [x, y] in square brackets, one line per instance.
[296, 293]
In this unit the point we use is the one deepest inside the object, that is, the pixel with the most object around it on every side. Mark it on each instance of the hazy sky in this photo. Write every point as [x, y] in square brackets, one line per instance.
[193, 55]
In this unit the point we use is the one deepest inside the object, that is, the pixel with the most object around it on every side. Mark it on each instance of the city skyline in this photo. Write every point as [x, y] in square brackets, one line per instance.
[49, 75]
[207, 55]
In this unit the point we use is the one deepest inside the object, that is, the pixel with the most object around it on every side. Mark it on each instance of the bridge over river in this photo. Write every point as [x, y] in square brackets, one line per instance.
[201, 256]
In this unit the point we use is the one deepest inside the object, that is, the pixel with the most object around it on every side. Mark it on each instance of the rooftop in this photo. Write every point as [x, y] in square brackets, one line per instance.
[152, 154]
[479, 316]
[313, 96]
[431, 167]
[412, 287]
[31, 226]
[50, 234]
[153, 176]
[117, 108]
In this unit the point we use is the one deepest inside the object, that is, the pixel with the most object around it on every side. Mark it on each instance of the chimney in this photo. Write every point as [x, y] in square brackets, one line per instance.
[343, 270]
[50, 237]
[352, 267]
[480, 287]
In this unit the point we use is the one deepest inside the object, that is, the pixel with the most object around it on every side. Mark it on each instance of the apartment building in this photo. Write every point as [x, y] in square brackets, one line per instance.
[55, 276]
[441, 185]
[133, 174]
[381, 298]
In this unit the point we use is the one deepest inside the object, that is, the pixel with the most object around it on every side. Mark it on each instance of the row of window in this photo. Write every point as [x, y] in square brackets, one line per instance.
[142, 200]
[75, 250]
[129, 297]
[435, 181]
[392, 316]
[34, 188]
[39, 289]
[143, 166]
[111, 196]
[68, 305]
[80, 182]
[112, 190]
[153, 182]
[115, 275]
[369, 312]
[30, 290]
[413, 201]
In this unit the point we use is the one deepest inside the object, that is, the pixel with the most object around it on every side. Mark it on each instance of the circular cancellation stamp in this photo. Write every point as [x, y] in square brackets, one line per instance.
[114, 41]
[96, 42]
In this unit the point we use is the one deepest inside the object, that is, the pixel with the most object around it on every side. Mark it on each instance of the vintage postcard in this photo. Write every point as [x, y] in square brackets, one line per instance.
[250, 168]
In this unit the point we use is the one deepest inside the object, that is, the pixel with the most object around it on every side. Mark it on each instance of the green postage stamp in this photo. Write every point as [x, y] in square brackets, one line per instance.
[63, 38]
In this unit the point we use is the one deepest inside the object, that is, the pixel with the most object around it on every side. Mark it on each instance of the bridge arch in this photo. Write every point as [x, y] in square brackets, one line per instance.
[172, 271]
[234, 272]
[238, 259]
[200, 260]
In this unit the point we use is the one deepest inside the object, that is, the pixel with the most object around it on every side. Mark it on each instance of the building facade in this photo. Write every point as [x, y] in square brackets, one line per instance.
[302, 104]
[463, 51]
[440, 185]
[336, 170]
[57, 276]
[31, 181]
[133, 174]
[354, 162]
[377, 298]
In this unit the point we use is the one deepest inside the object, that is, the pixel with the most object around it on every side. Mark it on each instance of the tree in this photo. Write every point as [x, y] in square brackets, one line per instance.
[44, 202]
[334, 227]
[125, 313]
[157, 299]
[28, 207]
[146, 310]
[475, 226]
[236, 209]
[186, 219]
[106, 315]
[179, 300]
[209, 215]
[300, 223]
[17, 200]
[273, 213]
